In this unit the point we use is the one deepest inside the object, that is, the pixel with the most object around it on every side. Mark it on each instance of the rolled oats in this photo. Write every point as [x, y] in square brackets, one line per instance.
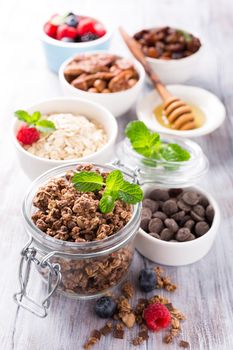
[75, 137]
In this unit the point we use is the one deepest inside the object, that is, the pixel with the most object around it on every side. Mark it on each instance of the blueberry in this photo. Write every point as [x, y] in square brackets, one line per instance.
[71, 21]
[105, 307]
[147, 280]
[68, 40]
[89, 37]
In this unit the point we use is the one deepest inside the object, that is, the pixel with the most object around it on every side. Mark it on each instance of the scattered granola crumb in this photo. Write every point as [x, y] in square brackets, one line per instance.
[107, 328]
[119, 331]
[92, 340]
[127, 289]
[163, 281]
[184, 344]
[138, 341]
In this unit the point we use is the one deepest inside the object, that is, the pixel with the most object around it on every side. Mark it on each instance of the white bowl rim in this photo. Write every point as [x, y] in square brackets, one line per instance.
[172, 60]
[63, 161]
[215, 224]
[55, 42]
[186, 133]
[137, 65]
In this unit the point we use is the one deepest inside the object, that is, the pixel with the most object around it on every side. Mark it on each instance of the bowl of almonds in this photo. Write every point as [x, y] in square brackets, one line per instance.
[106, 78]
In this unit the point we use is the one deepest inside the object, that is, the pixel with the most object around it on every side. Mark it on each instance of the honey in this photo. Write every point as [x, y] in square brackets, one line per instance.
[199, 116]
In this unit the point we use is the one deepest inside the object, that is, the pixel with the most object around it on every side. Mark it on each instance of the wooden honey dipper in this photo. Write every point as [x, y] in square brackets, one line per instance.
[178, 113]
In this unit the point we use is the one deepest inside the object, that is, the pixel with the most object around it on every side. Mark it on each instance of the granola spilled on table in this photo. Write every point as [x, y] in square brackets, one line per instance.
[128, 316]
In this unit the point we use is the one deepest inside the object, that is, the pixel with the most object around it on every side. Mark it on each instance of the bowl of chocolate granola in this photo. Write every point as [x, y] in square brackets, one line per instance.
[83, 218]
[103, 77]
[173, 53]
[62, 130]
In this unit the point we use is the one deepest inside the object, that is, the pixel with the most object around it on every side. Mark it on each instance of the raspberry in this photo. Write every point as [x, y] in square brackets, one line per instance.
[86, 25]
[157, 316]
[99, 29]
[27, 135]
[66, 31]
[51, 30]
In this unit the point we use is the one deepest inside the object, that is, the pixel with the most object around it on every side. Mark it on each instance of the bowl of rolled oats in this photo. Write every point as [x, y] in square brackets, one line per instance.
[75, 219]
[61, 130]
[103, 77]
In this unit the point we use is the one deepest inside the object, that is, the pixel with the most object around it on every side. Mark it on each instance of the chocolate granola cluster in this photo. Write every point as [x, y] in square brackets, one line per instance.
[69, 215]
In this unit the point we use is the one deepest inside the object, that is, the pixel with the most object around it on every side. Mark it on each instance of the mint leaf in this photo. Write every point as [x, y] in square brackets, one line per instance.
[24, 116]
[142, 139]
[174, 153]
[107, 203]
[45, 125]
[130, 193]
[186, 35]
[114, 180]
[87, 181]
[35, 117]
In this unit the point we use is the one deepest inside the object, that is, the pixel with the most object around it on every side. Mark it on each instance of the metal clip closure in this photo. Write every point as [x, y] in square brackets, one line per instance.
[134, 172]
[28, 255]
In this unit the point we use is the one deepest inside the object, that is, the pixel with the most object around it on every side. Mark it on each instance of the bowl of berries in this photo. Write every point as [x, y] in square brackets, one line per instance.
[64, 35]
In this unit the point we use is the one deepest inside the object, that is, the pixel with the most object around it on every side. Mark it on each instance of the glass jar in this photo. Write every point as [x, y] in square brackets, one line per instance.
[168, 173]
[78, 270]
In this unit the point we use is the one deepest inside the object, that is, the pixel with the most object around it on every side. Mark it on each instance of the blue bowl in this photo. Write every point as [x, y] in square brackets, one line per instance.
[56, 52]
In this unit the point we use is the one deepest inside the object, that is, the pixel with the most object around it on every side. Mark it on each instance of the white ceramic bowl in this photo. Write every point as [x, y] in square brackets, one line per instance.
[178, 253]
[176, 71]
[34, 166]
[117, 102]
[212, 107]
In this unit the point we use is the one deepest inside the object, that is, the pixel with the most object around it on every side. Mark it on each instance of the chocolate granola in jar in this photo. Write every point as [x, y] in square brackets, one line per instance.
[80, 250]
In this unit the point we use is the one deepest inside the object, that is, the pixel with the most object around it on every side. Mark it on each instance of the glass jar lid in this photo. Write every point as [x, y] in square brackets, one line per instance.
[162, 172]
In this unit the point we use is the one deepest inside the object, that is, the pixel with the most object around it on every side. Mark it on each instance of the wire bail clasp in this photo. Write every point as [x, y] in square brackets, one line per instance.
[28, 255]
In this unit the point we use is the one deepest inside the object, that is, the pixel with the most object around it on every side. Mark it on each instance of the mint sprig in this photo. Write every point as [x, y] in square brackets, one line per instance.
[35, 120]
[149, 144]
[115, 187]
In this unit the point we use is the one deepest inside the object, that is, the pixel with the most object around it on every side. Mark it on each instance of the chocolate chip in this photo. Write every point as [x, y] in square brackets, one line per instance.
[210, 213]
[172, 225]
[166, 234]
[174, 192]
[160, 215]
[183, 206]
[170, 207]
[155, 225]
[149, 203]
[183, 234]
[190, 197]
[155, 235]
[203, 201]
[178, 216]
[201, 228]
[199, 210]
[185, 219]
[195, 216]
[144, 223]
[189, 224]
[191, 237]
[146, 213]
[159, 195]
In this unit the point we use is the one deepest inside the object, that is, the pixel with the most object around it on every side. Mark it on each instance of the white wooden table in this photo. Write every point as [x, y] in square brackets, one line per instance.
[205, 289]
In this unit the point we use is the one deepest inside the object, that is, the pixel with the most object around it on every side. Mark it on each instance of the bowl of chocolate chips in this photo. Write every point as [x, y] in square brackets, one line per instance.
[103, 77]
[178, 225]
[173, 53]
